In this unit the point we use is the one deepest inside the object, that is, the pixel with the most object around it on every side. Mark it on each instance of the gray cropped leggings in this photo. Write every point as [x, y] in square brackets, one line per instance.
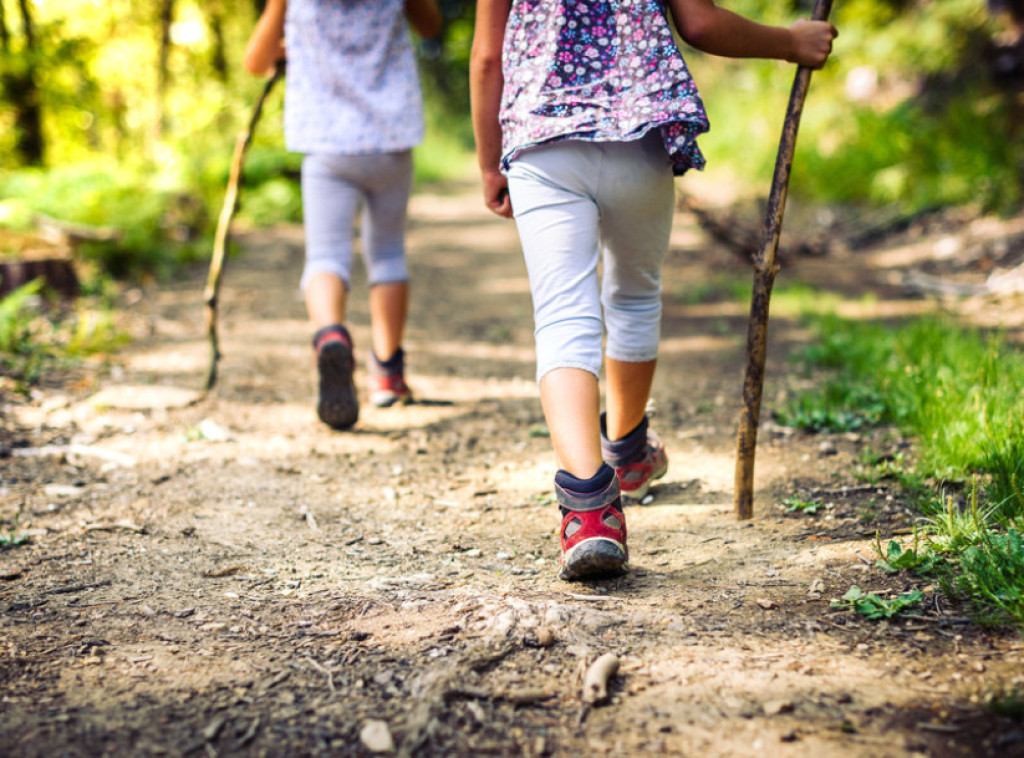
[332, 188]
[580, 203]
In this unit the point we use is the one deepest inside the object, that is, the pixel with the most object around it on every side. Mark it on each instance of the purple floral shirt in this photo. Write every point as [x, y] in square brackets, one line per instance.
[597, 70]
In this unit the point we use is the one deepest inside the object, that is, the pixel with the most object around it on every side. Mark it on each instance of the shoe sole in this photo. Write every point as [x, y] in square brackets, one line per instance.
[595, 558]
[387, 399]
[337, 404]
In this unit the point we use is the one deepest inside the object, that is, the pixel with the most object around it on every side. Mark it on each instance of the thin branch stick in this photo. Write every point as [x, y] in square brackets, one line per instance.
[227, 213]
[765, 269]
[595, 681]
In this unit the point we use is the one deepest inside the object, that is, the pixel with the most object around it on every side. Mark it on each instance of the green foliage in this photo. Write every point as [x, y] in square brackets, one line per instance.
[841, 407]
[929, 128]
[913, 158]
[796, 505]
[992, 573]
[919, 559]
[33, 339]
[715, 288]
[18, 354]
[1003, 459]
[1006, 700]
[8, 540]
[143, 215]
[275, 200]
[447, 151]
[874, 607]
[957, 392]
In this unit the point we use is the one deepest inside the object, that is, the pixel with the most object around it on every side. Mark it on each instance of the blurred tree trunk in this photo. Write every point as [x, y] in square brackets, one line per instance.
[165, 15]
[219, 57]
[217, 18]
[21, 89]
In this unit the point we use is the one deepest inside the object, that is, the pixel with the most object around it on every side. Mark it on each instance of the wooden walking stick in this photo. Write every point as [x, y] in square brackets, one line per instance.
[227, 213]
[765, 269]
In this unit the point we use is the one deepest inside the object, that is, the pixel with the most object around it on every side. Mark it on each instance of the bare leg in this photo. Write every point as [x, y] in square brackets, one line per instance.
[571, 400]
[629, 386]
[326, 298]
[389, 305]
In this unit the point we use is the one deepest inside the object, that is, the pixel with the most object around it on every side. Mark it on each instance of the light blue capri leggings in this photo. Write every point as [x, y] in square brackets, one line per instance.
[576, 203]
[332, 187]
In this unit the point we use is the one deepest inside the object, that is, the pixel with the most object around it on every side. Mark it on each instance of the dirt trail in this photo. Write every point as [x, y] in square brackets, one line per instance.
[229, 577]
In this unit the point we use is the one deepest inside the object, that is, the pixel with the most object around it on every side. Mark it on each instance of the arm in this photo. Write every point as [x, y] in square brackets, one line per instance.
[485, 84]
[266, 45]
[424, 16]
[718, 31]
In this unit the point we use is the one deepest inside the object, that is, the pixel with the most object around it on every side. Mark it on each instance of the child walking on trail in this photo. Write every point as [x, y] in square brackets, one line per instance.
[583, 112]
[353, 108]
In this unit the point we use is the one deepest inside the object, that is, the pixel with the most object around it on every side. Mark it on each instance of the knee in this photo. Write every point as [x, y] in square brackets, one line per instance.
[570, 343]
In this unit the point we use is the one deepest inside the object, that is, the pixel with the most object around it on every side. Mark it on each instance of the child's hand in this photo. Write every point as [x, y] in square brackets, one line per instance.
[812, 42]
[496, 194]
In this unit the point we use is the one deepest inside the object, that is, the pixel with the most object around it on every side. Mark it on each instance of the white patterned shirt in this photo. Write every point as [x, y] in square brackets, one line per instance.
[351, 84]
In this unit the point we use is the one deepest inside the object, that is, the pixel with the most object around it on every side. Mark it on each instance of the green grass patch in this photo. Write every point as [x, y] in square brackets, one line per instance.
[36, 337]
[8, 540]
[875, 607]
[802, 507]
[957, 393]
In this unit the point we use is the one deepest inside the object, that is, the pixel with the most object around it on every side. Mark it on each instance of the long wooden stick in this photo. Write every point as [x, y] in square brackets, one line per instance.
[227, 213]
[765, 269]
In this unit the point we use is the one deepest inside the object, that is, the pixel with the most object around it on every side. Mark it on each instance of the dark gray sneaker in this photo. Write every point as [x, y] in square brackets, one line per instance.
[337, 404]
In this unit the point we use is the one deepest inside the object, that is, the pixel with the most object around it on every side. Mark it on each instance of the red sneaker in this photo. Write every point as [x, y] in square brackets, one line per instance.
[593, 533]
[637, 471]
[387, 384]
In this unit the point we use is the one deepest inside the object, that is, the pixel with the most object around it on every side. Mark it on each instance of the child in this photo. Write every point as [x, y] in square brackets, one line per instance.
[353, 107]
[583, 111]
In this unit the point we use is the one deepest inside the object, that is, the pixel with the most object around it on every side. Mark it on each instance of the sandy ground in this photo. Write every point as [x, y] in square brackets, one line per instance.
[223, 575]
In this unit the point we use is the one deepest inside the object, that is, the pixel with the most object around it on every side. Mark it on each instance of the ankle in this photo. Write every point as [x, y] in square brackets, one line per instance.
[627, 448]
[393, 365]
[575, 494]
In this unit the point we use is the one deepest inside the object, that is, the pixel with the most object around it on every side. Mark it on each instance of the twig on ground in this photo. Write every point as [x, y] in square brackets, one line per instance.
[77, 588]
[105, 526]
[593, 597]
[310, 518]
[940, 728]
[322, 670]
[936, 619]
[850, 490]
[595, 681]
[249, 735]
[85, 451]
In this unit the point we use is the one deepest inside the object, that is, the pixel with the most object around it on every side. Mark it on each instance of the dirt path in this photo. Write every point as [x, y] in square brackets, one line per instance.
[228, 577]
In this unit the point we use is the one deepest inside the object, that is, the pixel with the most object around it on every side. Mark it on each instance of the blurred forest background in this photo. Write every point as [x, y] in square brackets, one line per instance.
[121, 116]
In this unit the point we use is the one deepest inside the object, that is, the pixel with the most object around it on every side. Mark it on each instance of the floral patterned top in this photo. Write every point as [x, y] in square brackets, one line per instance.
[597, 70]
[352, 85]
